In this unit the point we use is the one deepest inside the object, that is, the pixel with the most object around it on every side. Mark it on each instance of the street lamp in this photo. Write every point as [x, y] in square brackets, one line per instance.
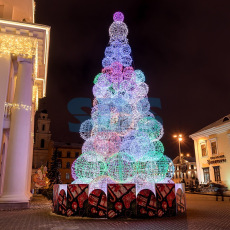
[179, 138]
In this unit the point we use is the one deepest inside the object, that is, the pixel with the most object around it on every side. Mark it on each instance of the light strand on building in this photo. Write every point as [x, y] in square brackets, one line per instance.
[18, 106]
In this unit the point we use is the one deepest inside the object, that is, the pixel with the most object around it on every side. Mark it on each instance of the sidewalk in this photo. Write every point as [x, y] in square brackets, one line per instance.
[203, 213]
[226, 194]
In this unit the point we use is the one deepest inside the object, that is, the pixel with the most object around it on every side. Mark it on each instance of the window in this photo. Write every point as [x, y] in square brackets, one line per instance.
[42, 143]
[203, 150]
[59, 154]
[192, 166]
[67, 176]
[76, 154]
[1, 11]
[67, 165]
[43, 127]
[213, 147]
[206, 175]
[217, 173]
[59, 162]
[68, 154]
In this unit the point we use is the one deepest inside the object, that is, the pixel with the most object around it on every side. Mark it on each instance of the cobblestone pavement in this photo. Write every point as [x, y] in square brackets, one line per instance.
[203, 212]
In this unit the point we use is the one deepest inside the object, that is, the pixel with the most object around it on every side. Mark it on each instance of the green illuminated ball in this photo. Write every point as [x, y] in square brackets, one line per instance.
[89, 166]
[163, 165]
[155, 152]
[121, 167]
[147, 170]
[96, 78]
[151, 126]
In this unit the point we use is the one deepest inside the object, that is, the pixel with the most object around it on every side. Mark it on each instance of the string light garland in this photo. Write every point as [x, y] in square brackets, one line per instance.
[122, 138]
[18, 106]
[20, 45]
[24, 46]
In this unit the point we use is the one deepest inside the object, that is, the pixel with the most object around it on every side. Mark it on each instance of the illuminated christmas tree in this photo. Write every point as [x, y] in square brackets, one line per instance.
[122, 138]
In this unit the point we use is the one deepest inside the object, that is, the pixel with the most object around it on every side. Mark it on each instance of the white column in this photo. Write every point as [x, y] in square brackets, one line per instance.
[16, 178]
[5, 63]
[30, 159]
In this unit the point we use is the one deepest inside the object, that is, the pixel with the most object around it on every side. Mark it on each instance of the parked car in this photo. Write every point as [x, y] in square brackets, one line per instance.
[213, 188]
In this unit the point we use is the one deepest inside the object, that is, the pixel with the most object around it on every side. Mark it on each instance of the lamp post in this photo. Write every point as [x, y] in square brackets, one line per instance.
[179, 137]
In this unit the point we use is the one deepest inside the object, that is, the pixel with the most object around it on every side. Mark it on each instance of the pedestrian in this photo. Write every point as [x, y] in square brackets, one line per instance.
[220, 192]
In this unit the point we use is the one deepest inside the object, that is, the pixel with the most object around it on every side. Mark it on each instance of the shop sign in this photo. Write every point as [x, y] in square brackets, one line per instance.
[216, 159]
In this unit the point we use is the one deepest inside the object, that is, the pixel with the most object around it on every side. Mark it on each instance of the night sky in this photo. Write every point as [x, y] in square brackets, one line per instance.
[183, 47]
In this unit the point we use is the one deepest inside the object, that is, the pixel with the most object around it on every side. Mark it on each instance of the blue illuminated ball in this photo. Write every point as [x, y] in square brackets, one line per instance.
[140, 77]
[86, 128]
[109, 51]
[143, 106]
[106, 62]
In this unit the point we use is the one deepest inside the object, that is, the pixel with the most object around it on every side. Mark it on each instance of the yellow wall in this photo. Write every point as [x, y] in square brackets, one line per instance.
[223, 148]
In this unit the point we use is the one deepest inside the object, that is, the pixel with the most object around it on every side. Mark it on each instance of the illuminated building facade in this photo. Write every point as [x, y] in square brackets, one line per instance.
[212, 150]
[67, 153]
[185, 170]
[42, 140]
[24, 48]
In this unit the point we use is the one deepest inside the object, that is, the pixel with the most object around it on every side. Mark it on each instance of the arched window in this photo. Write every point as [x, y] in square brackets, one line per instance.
[67, 165]
[225, 119]
[43, 127]
[42, 143]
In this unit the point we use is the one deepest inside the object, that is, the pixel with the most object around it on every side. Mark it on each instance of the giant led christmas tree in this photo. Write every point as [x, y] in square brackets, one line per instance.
[122, 138]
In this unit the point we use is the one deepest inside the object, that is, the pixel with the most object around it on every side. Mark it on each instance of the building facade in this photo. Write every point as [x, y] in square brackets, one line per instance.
[42, 140]
[67, 154]
[185, 170]
[212, 150]
[24, 48]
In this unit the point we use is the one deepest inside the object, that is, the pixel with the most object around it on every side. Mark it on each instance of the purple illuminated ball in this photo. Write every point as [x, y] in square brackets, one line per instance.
[118, 17]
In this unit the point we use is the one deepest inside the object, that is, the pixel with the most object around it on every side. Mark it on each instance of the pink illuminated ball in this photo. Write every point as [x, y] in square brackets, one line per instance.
[118, 17]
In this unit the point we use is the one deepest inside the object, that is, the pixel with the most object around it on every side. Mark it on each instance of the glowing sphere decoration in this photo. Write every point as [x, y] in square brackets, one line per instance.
[107, 143]
[88, 146]
[152, 127]
[96, 78]
[122, 138]
[86, 128]
[88, 166]
[121, 167]
[118, 31]
[126, 49]
[143, 106]
[163, 165]
[155, 152]
[140, 77]
[118, 17]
